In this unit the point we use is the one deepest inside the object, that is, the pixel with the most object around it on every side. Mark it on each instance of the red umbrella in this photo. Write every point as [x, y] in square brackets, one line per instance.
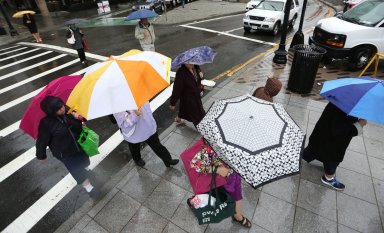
[60, 87]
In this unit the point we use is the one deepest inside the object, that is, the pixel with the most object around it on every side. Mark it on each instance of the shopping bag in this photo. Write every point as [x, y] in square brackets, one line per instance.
[85, 44]
[71, 40]
[200, 181]
[89, 141]
[223, 208]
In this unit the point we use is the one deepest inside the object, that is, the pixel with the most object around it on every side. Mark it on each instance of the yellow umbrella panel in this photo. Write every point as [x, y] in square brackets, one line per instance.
[21, 13]
[120, 83]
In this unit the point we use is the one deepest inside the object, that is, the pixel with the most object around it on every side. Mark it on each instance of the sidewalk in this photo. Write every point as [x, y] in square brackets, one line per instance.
[153, 198]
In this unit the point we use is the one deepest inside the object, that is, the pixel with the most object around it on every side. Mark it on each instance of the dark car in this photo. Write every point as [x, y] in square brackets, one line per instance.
[156, 5]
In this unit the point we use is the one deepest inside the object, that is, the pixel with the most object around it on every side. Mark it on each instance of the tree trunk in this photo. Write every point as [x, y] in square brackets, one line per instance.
[42, 5]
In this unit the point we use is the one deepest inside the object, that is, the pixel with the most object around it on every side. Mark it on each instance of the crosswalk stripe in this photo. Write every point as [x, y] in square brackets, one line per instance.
[9, 129]
[23, 60]
[19, 54]
[13, 51]
[42, 206]
[37, 76]
[31, 67]
[9, 48]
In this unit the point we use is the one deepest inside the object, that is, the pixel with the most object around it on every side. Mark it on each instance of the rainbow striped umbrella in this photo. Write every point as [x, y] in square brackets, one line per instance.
[120, 83]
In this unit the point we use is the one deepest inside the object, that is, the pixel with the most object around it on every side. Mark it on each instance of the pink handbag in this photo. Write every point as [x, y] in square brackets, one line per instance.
[200, 182]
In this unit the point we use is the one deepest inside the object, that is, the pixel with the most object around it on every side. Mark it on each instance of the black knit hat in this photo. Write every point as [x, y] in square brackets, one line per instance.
[51, 104]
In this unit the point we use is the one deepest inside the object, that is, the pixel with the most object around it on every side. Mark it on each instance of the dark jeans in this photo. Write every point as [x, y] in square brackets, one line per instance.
[329, 166]
[76, 165]
[81, 54]
[155, 144]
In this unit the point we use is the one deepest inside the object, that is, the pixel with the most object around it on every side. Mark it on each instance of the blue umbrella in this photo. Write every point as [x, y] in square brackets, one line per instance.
[75, 21]
[359, 97]
[196, 56]
[142, 14]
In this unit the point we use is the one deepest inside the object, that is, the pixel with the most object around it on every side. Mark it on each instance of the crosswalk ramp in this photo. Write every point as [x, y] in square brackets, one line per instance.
[39, 196]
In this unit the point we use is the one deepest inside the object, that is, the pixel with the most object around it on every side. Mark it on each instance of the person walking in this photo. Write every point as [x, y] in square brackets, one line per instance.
[78, 44]
[330, 139]
[145, 33]
[187, 89]
[139, 126]
[60, 131]
[30, 23]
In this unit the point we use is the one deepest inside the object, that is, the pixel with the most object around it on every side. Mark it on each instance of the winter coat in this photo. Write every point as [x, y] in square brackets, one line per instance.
[187, 89]
[139, 34]
[78, 37]
[59, 133]
[332, 134]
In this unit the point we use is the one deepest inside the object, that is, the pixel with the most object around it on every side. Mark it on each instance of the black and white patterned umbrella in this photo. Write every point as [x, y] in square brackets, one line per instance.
[258, 139]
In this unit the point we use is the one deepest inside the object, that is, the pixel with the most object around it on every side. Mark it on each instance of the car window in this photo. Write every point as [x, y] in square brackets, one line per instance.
[368, 13]
[271, 6]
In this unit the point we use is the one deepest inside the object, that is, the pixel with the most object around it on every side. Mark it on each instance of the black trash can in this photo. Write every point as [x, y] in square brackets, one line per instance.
[306, 60]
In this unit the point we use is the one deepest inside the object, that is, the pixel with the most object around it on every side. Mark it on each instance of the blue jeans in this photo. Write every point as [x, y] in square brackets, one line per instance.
[76, 164]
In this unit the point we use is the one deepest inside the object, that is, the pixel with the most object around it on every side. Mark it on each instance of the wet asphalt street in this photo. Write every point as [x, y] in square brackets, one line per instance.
[21, 188]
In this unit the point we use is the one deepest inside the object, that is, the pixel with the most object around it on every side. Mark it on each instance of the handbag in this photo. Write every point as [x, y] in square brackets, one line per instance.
[223, 208]
[84, 42]
[71, 40]
[89, 141]
[200, 182]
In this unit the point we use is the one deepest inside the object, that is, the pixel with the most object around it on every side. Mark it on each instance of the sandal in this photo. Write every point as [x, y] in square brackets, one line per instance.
[244, 222]
[179, 121]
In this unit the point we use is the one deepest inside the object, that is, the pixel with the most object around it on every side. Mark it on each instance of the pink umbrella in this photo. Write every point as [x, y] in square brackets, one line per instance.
[60, 87]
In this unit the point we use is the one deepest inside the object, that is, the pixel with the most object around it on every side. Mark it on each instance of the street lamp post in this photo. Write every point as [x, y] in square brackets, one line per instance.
[281, 54]
[298, 38]
[12, 30]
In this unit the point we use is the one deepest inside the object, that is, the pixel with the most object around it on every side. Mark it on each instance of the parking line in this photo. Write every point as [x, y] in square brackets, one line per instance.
[228, 34]
[10, 47]
[19, 54]
[23, 60]
[234, 30]
[31, 67]
[218, 18]
[13, 50]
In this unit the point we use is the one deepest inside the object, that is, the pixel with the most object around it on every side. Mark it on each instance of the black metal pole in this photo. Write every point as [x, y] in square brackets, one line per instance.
[12, 30]
[298, 38]
[281, 54]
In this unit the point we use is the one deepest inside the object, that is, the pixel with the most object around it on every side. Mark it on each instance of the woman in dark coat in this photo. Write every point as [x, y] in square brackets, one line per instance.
[60, 131]
[78, 45]
[187, 89]
[30, 23]
[330, 139]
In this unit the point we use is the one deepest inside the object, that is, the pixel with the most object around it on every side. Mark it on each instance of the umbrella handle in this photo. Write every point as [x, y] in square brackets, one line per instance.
[74, 108]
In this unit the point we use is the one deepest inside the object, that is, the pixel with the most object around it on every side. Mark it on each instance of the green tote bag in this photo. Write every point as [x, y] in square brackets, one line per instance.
[89, 141]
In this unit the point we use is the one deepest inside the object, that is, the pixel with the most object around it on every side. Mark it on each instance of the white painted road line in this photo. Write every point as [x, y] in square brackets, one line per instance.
[63, 49]
[19, 54]
[31, 67]
[23, 60]
[234, 30]
[9, 129]
[13, 86]
[13, 51]
[228, 34]
[42, 206]
[218, 18]
[10, 47]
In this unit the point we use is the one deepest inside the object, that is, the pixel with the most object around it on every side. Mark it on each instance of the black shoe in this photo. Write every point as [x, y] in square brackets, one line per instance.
[173, 162]
[335, 184]
[140, 162]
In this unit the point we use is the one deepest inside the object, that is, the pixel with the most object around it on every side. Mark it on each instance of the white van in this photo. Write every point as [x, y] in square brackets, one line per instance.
[356, 34]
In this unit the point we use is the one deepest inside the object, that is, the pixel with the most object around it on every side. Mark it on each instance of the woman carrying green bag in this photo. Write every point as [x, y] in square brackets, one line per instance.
[60, 131]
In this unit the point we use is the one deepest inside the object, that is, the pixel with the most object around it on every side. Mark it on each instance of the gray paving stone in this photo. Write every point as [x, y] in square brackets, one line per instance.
[379, 189]
[285, 189]
[356, 162]
[176, 143]
[100, 205]
[250, 198]
[116, 214]
[357, 145]
[172, 228]
[344, 229]
[93, 227]
[311, 172]
[129, 176]
[257, 229]
[155, 165]
[185, 219]
[377, 167]
[357, 185]
[239, 87]
[310, 128]
[313, 117]
[141, 185]
[308, 222]
[165, 199]
[274, 214]
[225, 93]
[226, 226]
[317, 199]
[357, 214]
[81, 224]
[374, 148]
[145, 220]
[177, 175]
[373, 131]
[187, 132]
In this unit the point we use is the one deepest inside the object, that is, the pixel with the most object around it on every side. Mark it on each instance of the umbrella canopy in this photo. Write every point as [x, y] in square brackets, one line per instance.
[142, 14]
[120, 83]
[21, 13]
[359, 97]
[60, 87]
[258, 139]
[196, 56]
[76, 21]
